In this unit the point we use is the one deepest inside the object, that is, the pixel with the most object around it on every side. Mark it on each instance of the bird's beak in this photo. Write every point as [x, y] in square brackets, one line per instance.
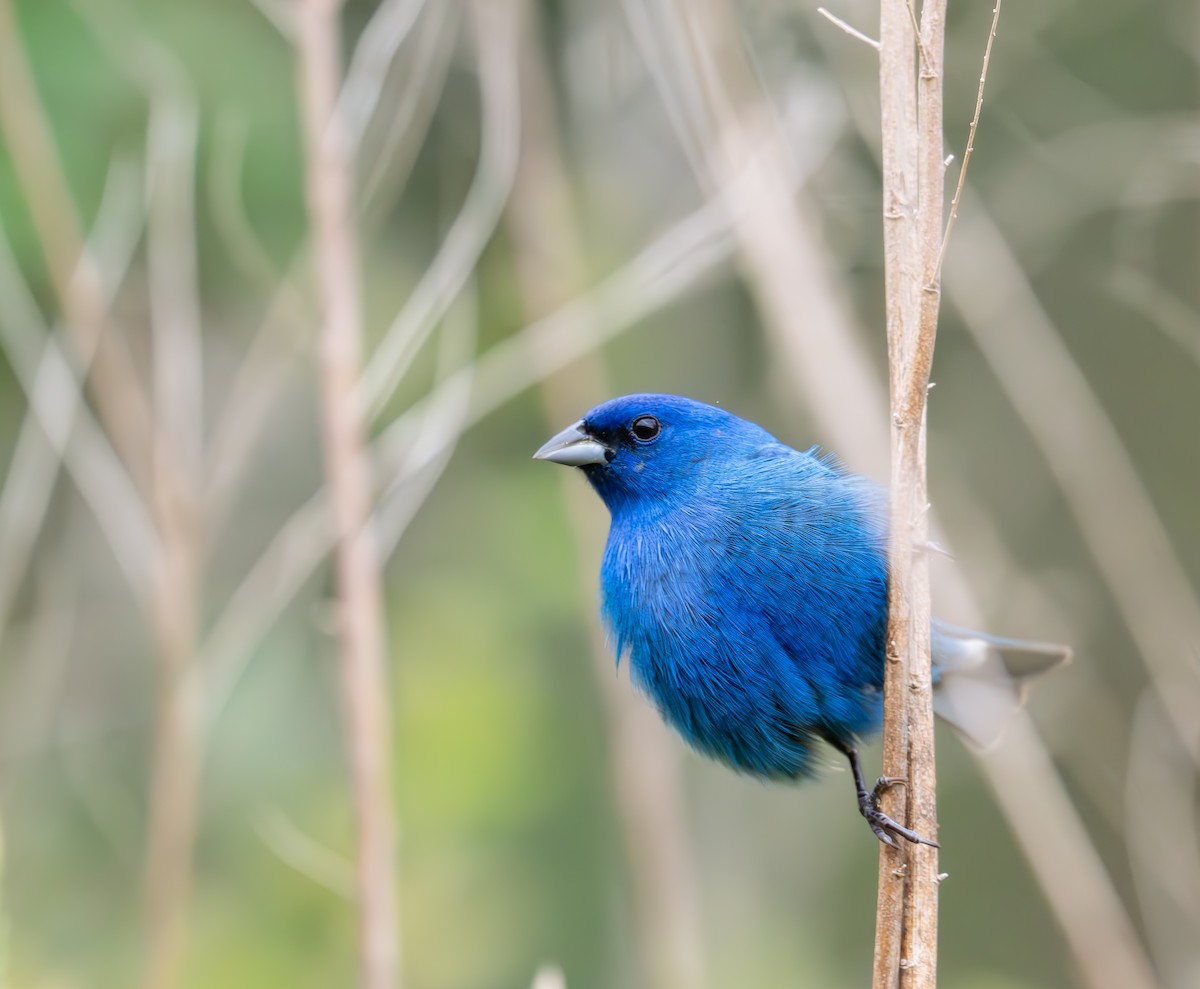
[573, 447]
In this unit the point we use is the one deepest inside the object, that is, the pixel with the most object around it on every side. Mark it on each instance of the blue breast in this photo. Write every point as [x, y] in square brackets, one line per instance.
[756, 629]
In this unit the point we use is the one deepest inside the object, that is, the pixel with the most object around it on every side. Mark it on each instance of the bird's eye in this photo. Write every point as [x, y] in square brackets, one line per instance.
[645, 428]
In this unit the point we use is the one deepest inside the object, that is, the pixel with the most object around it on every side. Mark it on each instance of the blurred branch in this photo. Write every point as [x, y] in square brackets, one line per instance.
[386, 168]
[224, 199]
[305, 539]
[305, 854]
[177, 370]
[1043, 817]
[549, 977]
[493, 33]
[43, 643]
[118, 394]
[53, 392]
[280, 14]
[441, 427]
[283, 332]
[1163, 837]
[1085, 454]
[370, 61]
[1178, 321]
[664, 54]
[665, 269]
[282, 335]
[550, 265]
[1072, 876]
[747, 163]
[32, 471]
[329, 178]
[176, 449]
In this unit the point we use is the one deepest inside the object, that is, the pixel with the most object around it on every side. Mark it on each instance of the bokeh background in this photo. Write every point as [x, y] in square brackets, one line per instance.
[561, 201]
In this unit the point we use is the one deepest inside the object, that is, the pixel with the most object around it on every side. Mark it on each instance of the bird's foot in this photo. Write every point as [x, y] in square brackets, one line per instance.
[883, 784]
[885, 829]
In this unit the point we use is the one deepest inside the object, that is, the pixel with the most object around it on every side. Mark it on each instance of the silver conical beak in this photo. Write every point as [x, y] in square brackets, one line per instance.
[573, 447]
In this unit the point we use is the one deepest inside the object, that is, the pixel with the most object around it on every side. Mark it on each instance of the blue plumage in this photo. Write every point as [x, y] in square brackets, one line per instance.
[747, 583]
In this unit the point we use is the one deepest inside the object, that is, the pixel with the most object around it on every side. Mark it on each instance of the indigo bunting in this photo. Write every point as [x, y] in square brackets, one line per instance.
[747, 583]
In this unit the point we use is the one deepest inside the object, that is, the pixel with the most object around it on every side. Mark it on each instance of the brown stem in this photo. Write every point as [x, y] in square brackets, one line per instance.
[328, 177]
[177, 454]
[913, 169]
[171, 828]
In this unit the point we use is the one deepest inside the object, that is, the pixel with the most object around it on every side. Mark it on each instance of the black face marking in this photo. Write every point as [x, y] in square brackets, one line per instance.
[609, 436]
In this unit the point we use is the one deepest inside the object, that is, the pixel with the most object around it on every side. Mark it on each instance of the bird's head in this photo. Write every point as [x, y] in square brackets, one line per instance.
[645, 448]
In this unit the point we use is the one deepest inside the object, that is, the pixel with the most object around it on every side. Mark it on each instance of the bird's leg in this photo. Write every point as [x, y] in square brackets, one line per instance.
[868, 802]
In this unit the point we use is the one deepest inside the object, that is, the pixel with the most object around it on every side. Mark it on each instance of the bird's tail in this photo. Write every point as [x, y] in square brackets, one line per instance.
[980, 679]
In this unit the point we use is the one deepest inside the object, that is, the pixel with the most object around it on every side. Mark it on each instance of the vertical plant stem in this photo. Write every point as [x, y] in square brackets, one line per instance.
[913, 170]
[328, 189]
[920, 941]
[176, 470]
[175, 774]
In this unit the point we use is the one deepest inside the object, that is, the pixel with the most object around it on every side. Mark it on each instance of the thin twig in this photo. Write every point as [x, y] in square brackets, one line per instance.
[441, 427]
[53, 392]
[917, 33]
[371, 61]
[361, 651]
[305, 854]
[116, 389]
[970, 150]
[849, 29]
[673, 77]
[494, 39]
[385, 163]
[32, 471]
[283, 336]
[223, 195]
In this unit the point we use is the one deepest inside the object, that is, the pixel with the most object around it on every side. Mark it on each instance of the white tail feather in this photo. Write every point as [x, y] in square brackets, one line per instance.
[981, 680]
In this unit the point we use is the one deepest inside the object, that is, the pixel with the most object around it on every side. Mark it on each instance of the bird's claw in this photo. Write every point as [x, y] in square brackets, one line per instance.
[883, 784]
[884, 828]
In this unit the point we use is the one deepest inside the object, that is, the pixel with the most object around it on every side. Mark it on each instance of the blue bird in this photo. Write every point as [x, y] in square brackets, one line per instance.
[747, 583]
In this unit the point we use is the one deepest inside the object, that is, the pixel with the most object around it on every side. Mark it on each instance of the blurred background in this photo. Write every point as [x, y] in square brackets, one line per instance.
[558, 202]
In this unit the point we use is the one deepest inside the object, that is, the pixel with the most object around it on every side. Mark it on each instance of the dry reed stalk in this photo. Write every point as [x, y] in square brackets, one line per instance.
[361, 649]
[913, 173]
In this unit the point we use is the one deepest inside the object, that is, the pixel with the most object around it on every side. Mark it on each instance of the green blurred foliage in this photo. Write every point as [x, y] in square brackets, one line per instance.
[511, 853]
